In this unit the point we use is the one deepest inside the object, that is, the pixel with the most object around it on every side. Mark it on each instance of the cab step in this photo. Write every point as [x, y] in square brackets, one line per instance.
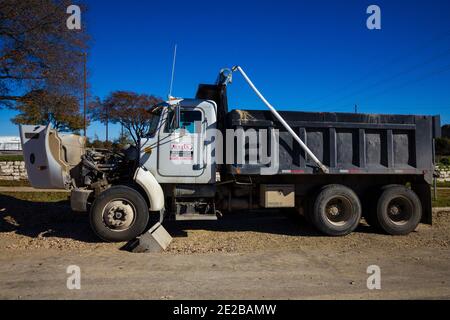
[195, 217]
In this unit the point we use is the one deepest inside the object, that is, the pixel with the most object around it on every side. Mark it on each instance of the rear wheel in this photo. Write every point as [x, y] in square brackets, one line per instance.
[336, 210]
[399, 210]
[119, 214]
[372, 201]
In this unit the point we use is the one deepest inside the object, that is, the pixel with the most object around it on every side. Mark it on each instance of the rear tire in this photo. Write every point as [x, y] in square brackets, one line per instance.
[372, 200]
[119, 214]
[399, 210]
[336, 210]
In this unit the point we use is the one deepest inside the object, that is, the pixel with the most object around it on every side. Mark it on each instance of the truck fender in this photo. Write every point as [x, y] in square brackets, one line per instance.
[152, 188]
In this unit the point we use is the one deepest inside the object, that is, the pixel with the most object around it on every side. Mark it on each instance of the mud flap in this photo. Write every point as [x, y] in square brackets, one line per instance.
[423, 190]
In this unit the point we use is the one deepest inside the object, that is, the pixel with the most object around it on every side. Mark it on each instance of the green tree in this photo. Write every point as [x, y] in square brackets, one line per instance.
[123, 139]
[446, 131]
[442, 146]
[41, 107]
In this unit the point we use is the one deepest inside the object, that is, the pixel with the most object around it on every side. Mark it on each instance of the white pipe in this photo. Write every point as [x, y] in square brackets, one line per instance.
[284, 123]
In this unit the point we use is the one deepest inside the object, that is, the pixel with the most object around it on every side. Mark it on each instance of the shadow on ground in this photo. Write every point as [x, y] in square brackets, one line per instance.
[56, 219]
[288, 224]
[45, 219]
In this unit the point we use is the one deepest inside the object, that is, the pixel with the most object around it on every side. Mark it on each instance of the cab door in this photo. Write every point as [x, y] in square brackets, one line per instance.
[180, 150]
[44, 170]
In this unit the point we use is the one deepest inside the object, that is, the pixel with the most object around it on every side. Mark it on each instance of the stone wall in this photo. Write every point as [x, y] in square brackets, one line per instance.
[13, 170]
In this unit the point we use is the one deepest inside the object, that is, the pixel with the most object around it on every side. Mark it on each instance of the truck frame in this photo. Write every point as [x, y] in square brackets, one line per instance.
[199, 161]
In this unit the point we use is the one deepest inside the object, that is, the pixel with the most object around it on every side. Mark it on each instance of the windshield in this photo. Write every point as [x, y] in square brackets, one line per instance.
[154, 119]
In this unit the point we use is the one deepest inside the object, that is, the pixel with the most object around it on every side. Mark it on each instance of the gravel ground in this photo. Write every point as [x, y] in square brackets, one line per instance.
[26, 225]
[242, 256]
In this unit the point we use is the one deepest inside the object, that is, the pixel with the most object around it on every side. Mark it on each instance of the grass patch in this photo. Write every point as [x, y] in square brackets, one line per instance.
[14, 183]
[38, 196]
[443, 184]
[443, 199]
[10, 157]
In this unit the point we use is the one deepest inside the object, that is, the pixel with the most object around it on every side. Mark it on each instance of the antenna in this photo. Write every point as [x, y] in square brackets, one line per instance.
[173, 71]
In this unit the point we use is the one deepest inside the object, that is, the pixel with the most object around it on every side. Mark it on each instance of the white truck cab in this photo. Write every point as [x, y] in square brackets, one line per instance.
[118, 187]
[181, 153]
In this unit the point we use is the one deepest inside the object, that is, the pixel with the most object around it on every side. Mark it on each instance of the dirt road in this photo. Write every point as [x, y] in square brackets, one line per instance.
[289, 274]
[246, 256]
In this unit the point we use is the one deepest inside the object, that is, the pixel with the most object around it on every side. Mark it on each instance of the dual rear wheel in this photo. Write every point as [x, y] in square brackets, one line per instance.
[398, 210]
[336, 210]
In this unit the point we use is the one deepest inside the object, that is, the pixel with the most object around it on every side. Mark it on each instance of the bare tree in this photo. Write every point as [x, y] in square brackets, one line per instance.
[132, 110]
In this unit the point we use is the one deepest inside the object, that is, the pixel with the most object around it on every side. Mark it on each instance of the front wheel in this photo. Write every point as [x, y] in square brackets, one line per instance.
[119, 214]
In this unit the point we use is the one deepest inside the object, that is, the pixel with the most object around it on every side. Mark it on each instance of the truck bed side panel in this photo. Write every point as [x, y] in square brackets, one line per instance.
[346, 143]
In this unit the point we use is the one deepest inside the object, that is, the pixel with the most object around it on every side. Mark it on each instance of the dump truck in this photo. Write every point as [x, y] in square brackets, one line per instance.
[200, 161]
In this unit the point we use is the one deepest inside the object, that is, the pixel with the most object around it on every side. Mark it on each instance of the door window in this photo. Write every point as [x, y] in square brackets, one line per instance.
[188, 119]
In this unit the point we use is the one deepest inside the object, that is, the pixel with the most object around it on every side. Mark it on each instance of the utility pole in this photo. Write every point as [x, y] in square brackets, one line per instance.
[356, 108]
[84, 91]
[107, 121]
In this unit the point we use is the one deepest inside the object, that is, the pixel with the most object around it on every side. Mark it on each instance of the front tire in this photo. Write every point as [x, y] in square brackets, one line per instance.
[336, 210]
[119, 214]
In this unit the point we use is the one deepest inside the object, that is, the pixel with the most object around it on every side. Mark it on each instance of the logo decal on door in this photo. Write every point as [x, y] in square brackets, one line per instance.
[181, 151]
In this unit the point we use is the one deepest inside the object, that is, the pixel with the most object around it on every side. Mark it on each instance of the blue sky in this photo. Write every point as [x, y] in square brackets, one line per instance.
[302, 55]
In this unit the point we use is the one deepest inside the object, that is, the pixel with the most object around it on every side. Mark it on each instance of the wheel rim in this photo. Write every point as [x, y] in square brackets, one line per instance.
[338, 211]
[119, 214]
[400, 210]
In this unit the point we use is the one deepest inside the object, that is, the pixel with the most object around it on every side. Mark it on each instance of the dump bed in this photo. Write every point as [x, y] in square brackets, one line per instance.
[347, 143]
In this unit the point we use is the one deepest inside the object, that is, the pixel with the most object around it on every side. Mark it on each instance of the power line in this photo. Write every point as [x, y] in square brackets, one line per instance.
[384, 80]
[435, 72]
[424, 104]
[414, 51]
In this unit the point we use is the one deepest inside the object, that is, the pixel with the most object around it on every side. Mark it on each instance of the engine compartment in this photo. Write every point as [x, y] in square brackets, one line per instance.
[101, 168]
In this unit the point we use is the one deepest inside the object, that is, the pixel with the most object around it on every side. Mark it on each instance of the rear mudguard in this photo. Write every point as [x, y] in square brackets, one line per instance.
[152, 188]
